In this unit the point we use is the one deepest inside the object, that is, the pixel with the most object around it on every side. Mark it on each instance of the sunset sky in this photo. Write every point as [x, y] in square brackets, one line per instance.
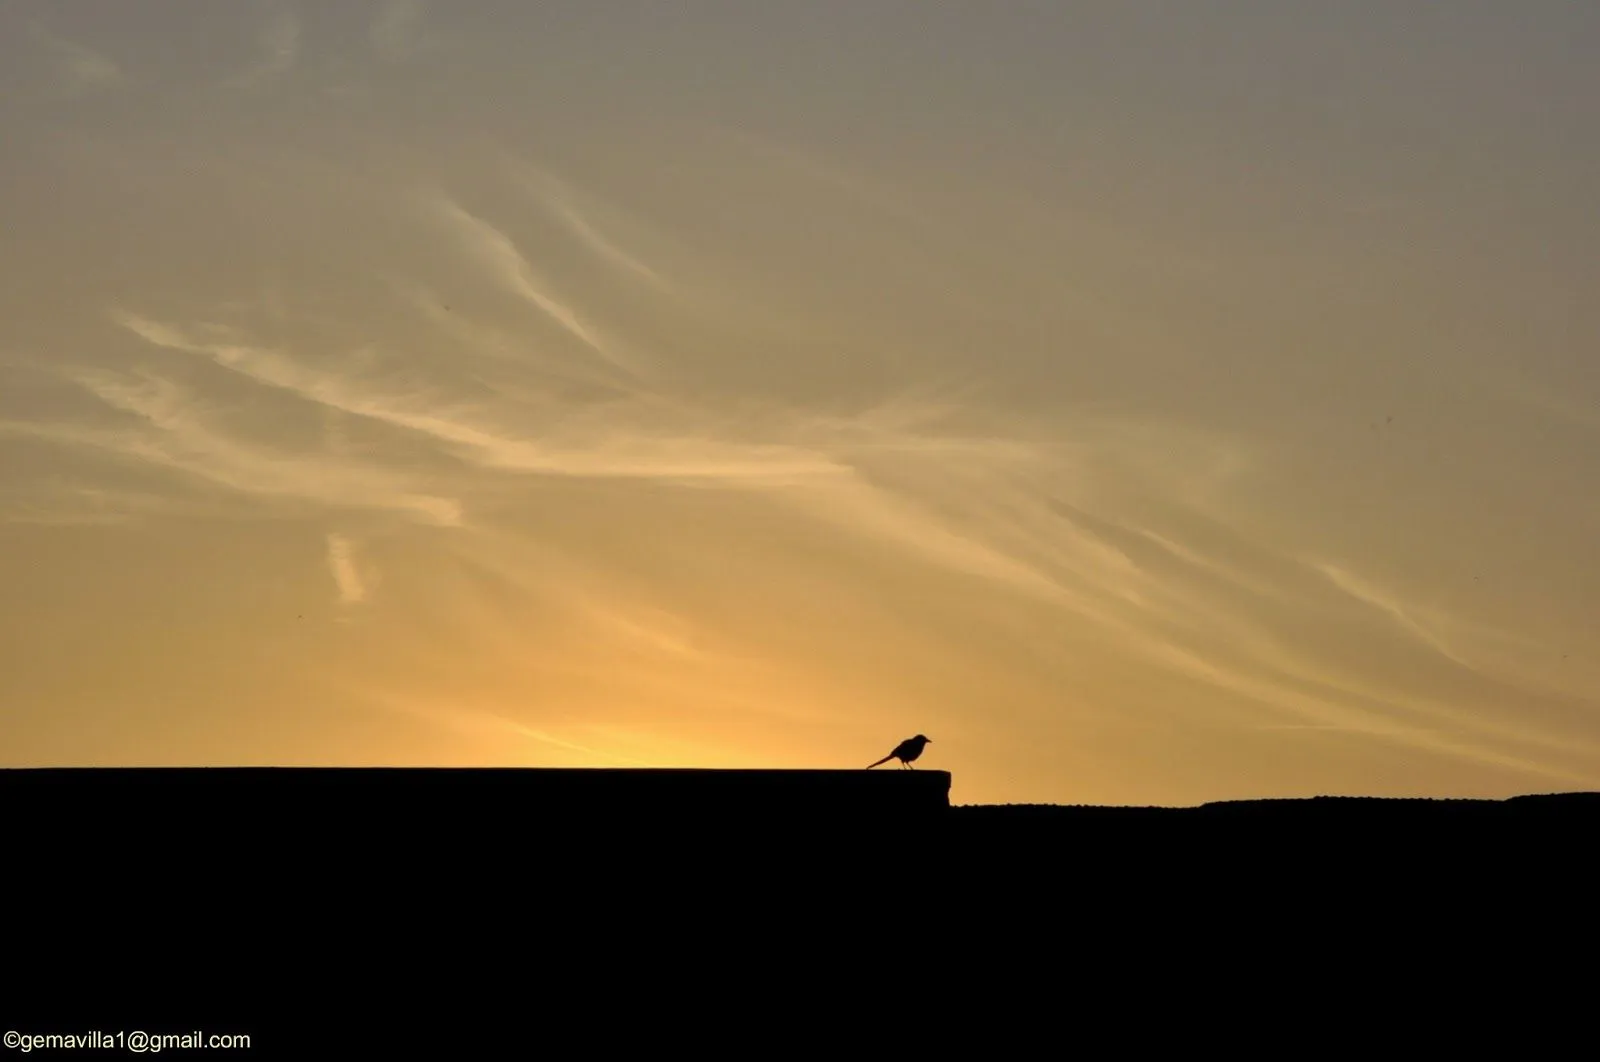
[1152, 403]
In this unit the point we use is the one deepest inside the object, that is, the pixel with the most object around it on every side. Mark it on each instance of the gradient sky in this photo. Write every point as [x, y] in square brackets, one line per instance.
[1150, 402]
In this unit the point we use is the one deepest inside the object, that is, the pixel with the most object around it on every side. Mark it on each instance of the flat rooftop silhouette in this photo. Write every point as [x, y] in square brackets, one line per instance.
[542, 794]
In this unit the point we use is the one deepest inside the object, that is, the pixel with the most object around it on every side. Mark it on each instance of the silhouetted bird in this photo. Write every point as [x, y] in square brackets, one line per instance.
[905, 752]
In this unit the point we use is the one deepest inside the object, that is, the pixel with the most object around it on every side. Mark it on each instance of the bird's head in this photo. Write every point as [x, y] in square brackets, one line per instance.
[923, 739]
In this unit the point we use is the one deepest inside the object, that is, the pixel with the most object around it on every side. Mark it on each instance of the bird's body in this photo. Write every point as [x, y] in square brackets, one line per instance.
[905, 752]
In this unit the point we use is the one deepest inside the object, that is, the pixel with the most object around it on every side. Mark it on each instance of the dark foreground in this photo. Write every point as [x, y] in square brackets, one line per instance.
[281, 894]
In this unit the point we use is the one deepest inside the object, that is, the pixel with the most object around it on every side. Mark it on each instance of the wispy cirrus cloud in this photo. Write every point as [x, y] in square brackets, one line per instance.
[342, 565]
[80, 70]
[984, 505]
[1401, 614]
[533, 368]
[597, 442]
[889, 476]
[505, 263]
[562, 201]
[1039, 511]
[170, 428]
[1127, 524]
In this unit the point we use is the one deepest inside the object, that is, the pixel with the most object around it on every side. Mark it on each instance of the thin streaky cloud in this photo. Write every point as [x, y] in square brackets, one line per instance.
[557, 197]
[716, 672]
[1137, 605]
[1328, 704]
[1375, 714]
[829, 486]
[81, 68]
[509, 348]
[1233, 574]
[1276, 671]
[1370, 595]
[1283, 674]
[174, 432]
[341, 563]
[597, 446]
[499, 254]
[833, 489]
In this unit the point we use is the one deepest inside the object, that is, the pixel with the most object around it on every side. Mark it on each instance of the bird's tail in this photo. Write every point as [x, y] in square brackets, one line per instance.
[886, 759]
